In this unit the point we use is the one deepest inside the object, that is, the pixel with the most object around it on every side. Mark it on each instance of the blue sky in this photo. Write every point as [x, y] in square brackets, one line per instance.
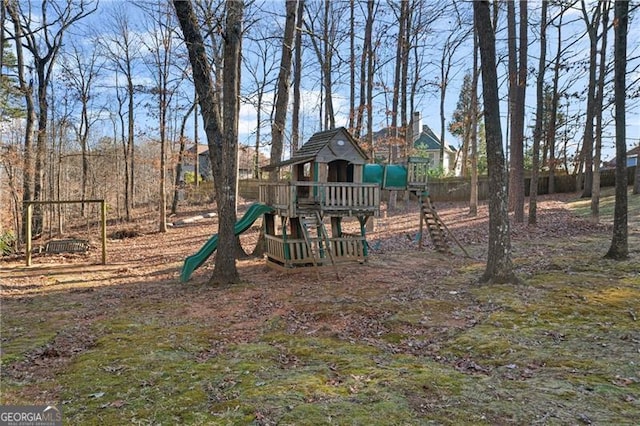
[270, 22]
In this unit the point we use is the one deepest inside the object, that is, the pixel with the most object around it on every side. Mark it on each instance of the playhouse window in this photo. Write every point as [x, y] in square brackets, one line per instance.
[306, 170]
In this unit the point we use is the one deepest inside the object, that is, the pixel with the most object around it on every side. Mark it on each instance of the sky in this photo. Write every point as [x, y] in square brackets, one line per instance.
[573, 35]
[270, 23]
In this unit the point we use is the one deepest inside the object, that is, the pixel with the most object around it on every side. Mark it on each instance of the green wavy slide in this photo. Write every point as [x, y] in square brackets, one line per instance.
[194, 261]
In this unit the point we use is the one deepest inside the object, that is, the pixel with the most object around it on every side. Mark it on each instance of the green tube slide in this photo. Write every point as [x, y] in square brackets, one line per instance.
[194, 261]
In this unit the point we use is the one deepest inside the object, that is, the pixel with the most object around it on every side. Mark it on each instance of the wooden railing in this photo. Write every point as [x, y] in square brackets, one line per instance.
[417, 174]
[295, 252]
[291, 197]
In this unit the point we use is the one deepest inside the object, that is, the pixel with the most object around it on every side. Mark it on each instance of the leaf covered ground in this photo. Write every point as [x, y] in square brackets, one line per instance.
[409, 337]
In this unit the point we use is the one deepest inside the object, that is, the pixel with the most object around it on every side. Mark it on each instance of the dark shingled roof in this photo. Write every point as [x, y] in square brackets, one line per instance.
[427, 139]
[315, 144]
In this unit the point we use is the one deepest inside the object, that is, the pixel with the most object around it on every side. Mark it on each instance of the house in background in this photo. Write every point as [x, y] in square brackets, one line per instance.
[246, 161]
[425, 143]
[632, 159]
[204, 169]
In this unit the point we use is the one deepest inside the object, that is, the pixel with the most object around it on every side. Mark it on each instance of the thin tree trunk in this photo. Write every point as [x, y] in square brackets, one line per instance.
[181, 150]
[595, 191]
[395, 137]
[517, 92]
[619, 249]
[297, 81]
[537, 132]
[587, 147]
[553, 117]
[473, 200]
[636, 182]
[282, 94]
[364, 60]
[352, 65]
[499, 265]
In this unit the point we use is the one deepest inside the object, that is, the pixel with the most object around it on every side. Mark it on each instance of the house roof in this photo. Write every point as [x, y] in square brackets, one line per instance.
[245, 155]
[633, 152]
[429, 141]
[317, 143]
[202, 149]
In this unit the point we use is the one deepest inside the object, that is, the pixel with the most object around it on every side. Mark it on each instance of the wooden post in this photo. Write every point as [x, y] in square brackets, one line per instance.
[28, 236]
[103, 221]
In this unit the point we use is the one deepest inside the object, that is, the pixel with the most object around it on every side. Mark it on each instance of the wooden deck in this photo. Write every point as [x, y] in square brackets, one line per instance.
[293, 199]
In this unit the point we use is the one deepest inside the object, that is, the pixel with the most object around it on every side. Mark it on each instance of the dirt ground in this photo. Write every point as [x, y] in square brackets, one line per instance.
[151, 255]
[435, 290]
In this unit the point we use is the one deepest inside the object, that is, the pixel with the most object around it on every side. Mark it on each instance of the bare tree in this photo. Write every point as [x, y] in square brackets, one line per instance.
[517, 91]
[449, 62]
[322, 27]
[365, 59]
[636, 182]
[260, 64]
[537, 132]
[619, 249]
[222, 136]
[592, 25]
[80, 71]
[122, 46]
[42, 38]
[599, 100]
[499, 265]
[282, 93]
[179, 164]
[160, 60]
[30, 117]
[473, 198]
[297, 81]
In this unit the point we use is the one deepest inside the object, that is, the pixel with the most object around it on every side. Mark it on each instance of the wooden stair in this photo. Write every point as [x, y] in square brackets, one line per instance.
[435, 226]
[311, 222]
[438, 230]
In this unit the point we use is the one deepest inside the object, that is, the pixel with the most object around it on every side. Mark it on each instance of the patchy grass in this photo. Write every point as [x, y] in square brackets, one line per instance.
[409, 338]
[582, 206]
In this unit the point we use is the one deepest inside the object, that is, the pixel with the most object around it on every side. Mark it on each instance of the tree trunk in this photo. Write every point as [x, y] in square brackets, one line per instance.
[297, 82]
[162, 109]
[352, 66]
[130, 139]
[364, 60]
[399, 65]
[553, 117]
[473, 199]
[619, 249]
[282, 94]
[30, 118]
[587, 146]
[636, 182]
[181, 150]
[537, 132]
[499, 265]
[595, 190]
[517, 91]
[222, 148]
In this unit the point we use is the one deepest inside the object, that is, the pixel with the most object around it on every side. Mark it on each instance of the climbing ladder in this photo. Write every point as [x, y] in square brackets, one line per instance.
[438, 231]
[314, 221]
[435, 226]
